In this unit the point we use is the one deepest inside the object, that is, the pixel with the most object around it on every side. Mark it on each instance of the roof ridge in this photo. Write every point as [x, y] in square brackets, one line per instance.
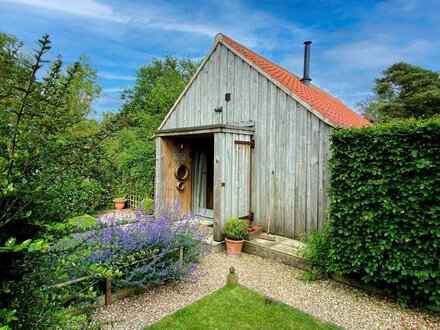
[316, 97]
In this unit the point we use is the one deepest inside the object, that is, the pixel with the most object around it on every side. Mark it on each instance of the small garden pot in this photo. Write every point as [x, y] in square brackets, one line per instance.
[234, 247]
[119, 203]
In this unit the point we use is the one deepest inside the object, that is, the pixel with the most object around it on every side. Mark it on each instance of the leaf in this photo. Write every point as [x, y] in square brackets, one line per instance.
[10, 242]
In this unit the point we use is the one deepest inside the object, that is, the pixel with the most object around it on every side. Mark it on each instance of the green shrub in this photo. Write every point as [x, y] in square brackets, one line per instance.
[147, 205]
[82, 221]
[385, 194]
[317, 248]
[69, 197]
[235, 229]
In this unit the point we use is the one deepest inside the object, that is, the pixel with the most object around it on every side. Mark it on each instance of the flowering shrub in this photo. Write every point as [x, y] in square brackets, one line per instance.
[146, 248]
[134, 249]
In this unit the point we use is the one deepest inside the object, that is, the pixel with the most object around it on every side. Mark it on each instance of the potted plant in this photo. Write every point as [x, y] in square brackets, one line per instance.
[235, 232]
[120, 201]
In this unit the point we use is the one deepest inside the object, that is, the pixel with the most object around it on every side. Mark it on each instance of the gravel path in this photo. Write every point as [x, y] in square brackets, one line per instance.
[327, 300]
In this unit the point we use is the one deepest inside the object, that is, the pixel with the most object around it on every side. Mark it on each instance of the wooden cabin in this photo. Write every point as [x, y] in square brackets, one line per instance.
[249, 139]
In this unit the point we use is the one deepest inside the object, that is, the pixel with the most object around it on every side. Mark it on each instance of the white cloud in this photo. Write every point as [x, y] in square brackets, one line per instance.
[112, 90]
[376, 53]
[87, 8]
[115, 76]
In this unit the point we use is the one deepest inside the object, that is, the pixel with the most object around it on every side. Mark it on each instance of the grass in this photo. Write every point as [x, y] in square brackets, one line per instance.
[235, 307]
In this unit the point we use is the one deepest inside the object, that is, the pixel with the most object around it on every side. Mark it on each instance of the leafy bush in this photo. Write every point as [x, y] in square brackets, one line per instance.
[235, 229]
[70, 197]
[82, 221]
[317, 248]
[134, 249]
[385, 194]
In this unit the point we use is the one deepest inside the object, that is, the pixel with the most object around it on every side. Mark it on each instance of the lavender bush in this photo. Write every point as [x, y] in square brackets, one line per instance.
[145, 248]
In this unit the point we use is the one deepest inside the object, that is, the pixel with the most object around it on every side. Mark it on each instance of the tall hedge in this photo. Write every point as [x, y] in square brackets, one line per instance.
[385, 193]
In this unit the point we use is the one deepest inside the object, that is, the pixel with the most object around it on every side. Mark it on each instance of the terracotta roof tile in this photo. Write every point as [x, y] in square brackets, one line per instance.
[330, 107]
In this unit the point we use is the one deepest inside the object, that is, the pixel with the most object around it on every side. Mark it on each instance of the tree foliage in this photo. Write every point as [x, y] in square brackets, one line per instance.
[404, 91]
[158, 85]
[45, 137]
[50, 155]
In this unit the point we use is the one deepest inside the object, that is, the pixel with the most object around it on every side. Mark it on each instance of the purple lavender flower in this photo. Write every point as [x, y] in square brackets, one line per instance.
[146, 247]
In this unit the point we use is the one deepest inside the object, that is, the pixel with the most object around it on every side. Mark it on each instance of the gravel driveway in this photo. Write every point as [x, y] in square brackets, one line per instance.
[327, 300]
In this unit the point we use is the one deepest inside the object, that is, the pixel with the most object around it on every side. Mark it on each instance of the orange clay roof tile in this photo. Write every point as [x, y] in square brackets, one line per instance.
[330, 107]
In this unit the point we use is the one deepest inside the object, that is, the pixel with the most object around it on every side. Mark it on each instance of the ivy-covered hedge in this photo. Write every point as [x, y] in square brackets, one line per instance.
[385, 192]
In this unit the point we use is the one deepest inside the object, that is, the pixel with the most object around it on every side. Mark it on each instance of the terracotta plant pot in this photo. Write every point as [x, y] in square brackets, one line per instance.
[119, 203]
[234, 247]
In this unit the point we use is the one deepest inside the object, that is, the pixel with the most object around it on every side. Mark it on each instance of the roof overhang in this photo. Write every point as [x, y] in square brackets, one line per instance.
[245, 128]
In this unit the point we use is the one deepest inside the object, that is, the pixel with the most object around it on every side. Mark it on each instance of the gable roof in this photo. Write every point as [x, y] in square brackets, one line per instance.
[330, 107]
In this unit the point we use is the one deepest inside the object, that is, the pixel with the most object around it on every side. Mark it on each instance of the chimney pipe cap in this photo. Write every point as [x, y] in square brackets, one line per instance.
[307, 42]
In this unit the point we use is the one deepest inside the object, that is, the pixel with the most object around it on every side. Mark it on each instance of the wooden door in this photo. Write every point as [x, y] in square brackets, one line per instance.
[232, 178]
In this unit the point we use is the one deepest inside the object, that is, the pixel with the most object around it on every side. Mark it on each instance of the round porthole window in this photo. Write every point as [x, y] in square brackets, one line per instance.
[180, 185]
[181, 172]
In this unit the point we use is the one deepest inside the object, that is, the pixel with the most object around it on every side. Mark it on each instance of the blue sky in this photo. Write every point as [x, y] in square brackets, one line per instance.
[353, 41]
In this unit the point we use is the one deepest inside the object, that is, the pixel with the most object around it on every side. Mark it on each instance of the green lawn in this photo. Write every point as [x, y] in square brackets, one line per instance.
[235, 307]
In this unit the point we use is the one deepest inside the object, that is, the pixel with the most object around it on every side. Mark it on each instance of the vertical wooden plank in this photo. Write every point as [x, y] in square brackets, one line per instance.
[300, 181]
[239, 164]
[314, 173]
[202, 96]
[280, 153]
[255, 152]
[245, 92]
[228, 172]
[188, 110]
[219, 192]
[228, 116]
[209, 107]
[212, 88]
[308, 169]
[262, 137]
[245, 175]
[238, 86]
[253, 94]
[271, 154]
[196, 101]
[235, 197]
[291, 152]
[223, 81]
[220, 83]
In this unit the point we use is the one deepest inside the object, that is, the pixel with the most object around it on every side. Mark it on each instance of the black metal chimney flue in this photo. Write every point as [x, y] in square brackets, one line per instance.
[306, 77]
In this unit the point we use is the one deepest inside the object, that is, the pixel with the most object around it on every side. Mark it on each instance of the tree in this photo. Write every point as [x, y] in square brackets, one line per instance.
[44, 136]
[404, 91]
[158, 85]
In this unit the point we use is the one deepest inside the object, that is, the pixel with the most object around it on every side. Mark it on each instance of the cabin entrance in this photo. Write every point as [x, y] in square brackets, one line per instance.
[203, 179]
[207, 171]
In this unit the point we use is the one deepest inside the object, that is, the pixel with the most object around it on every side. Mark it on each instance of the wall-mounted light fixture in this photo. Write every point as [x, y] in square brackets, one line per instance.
[218, 109]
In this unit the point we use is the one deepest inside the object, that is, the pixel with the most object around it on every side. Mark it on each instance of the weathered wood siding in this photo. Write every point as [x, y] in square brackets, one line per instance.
[232, 179]
[289, 162]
